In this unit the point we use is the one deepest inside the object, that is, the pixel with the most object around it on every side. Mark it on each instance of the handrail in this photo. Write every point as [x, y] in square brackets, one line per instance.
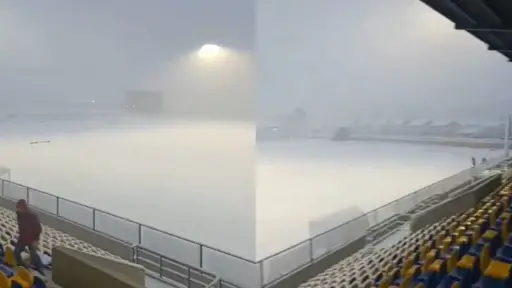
[260, 263]
[128, 220]
[214, 283]
[136, 256]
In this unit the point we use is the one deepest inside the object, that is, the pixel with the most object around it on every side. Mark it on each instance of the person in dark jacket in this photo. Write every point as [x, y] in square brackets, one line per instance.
[30, 229]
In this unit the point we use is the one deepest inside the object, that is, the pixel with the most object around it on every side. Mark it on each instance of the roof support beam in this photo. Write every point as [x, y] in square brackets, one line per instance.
[481, 29]
[508, 50]
[479, 10]
[451, 11]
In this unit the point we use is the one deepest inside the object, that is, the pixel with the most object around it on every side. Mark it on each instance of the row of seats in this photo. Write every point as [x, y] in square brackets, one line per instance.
[48, 239]
[360, 269]
[469, 250]
[19, 277]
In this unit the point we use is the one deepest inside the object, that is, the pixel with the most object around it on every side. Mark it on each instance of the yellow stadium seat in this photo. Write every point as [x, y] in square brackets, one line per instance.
[485, 257]
[385, 282]
[451, 260]
[440, 237]
[414, 271]
[492, 236]
[480, 223]
[4, 281]
[475, 231]
[443, 249]
[408, 262]
[467, 262]
[505, 201]
[23, 274]
[424, 250]
[460, 231]
[429, 259]
[9, 257]
[503, 193]
[436, 266]
[505, 220]
[448, 240]
[479, 214]
[493, 214]
[406, 282]
[498, 270]
[452, 227]
[19, 283]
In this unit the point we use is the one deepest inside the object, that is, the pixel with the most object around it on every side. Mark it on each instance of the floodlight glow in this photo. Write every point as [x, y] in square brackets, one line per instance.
[209, 51]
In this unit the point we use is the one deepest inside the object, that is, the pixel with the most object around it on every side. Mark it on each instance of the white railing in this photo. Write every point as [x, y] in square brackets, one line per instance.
[230, 267]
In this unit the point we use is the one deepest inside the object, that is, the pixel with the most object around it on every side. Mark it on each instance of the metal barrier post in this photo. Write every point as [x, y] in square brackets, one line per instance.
[140, 234]
[57, 206]
[201, 255]
[311, 250]
[28, 193]
[94, 219]
[262, 275]
[160, 266]
[188, 277]
[3, 187]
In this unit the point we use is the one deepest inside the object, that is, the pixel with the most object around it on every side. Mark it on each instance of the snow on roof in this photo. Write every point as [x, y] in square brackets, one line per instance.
[470, 130]
[443, 122]
[492, 124]
[394, 121]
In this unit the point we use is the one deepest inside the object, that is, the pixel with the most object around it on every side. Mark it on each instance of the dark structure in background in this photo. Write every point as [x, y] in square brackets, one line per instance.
[487, 20]
[143, 101]
[342, 134]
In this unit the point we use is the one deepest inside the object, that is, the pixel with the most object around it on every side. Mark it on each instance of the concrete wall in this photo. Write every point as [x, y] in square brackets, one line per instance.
[72, 268]
[458, 204]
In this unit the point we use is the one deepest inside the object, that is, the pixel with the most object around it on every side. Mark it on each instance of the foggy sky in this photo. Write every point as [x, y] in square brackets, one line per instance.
[68, 51]
[374, 58]
[337, 59]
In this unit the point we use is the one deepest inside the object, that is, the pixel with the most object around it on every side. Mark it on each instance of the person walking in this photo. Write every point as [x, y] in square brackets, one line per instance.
[29, 230]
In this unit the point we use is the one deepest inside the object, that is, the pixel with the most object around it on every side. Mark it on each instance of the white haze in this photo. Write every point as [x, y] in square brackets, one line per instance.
[197, 180]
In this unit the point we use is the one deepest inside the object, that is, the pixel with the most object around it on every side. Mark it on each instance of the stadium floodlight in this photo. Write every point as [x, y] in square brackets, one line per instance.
[209, 51]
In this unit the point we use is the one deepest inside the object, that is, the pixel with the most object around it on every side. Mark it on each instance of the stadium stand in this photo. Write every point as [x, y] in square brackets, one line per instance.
[356, 270]
[12, 276]
[468, 249]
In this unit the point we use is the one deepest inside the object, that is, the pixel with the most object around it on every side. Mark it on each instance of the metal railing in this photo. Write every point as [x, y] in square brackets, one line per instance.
[175, 272]
[235, 269]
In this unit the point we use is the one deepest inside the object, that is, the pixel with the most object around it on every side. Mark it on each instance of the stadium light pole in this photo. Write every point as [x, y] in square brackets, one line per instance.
[507, 136]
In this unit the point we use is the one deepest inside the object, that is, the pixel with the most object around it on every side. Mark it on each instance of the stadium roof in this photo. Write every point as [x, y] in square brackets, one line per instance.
[487, 20]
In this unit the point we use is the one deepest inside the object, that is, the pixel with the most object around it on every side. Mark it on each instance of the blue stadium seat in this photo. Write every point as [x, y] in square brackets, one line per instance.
[505, 253]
